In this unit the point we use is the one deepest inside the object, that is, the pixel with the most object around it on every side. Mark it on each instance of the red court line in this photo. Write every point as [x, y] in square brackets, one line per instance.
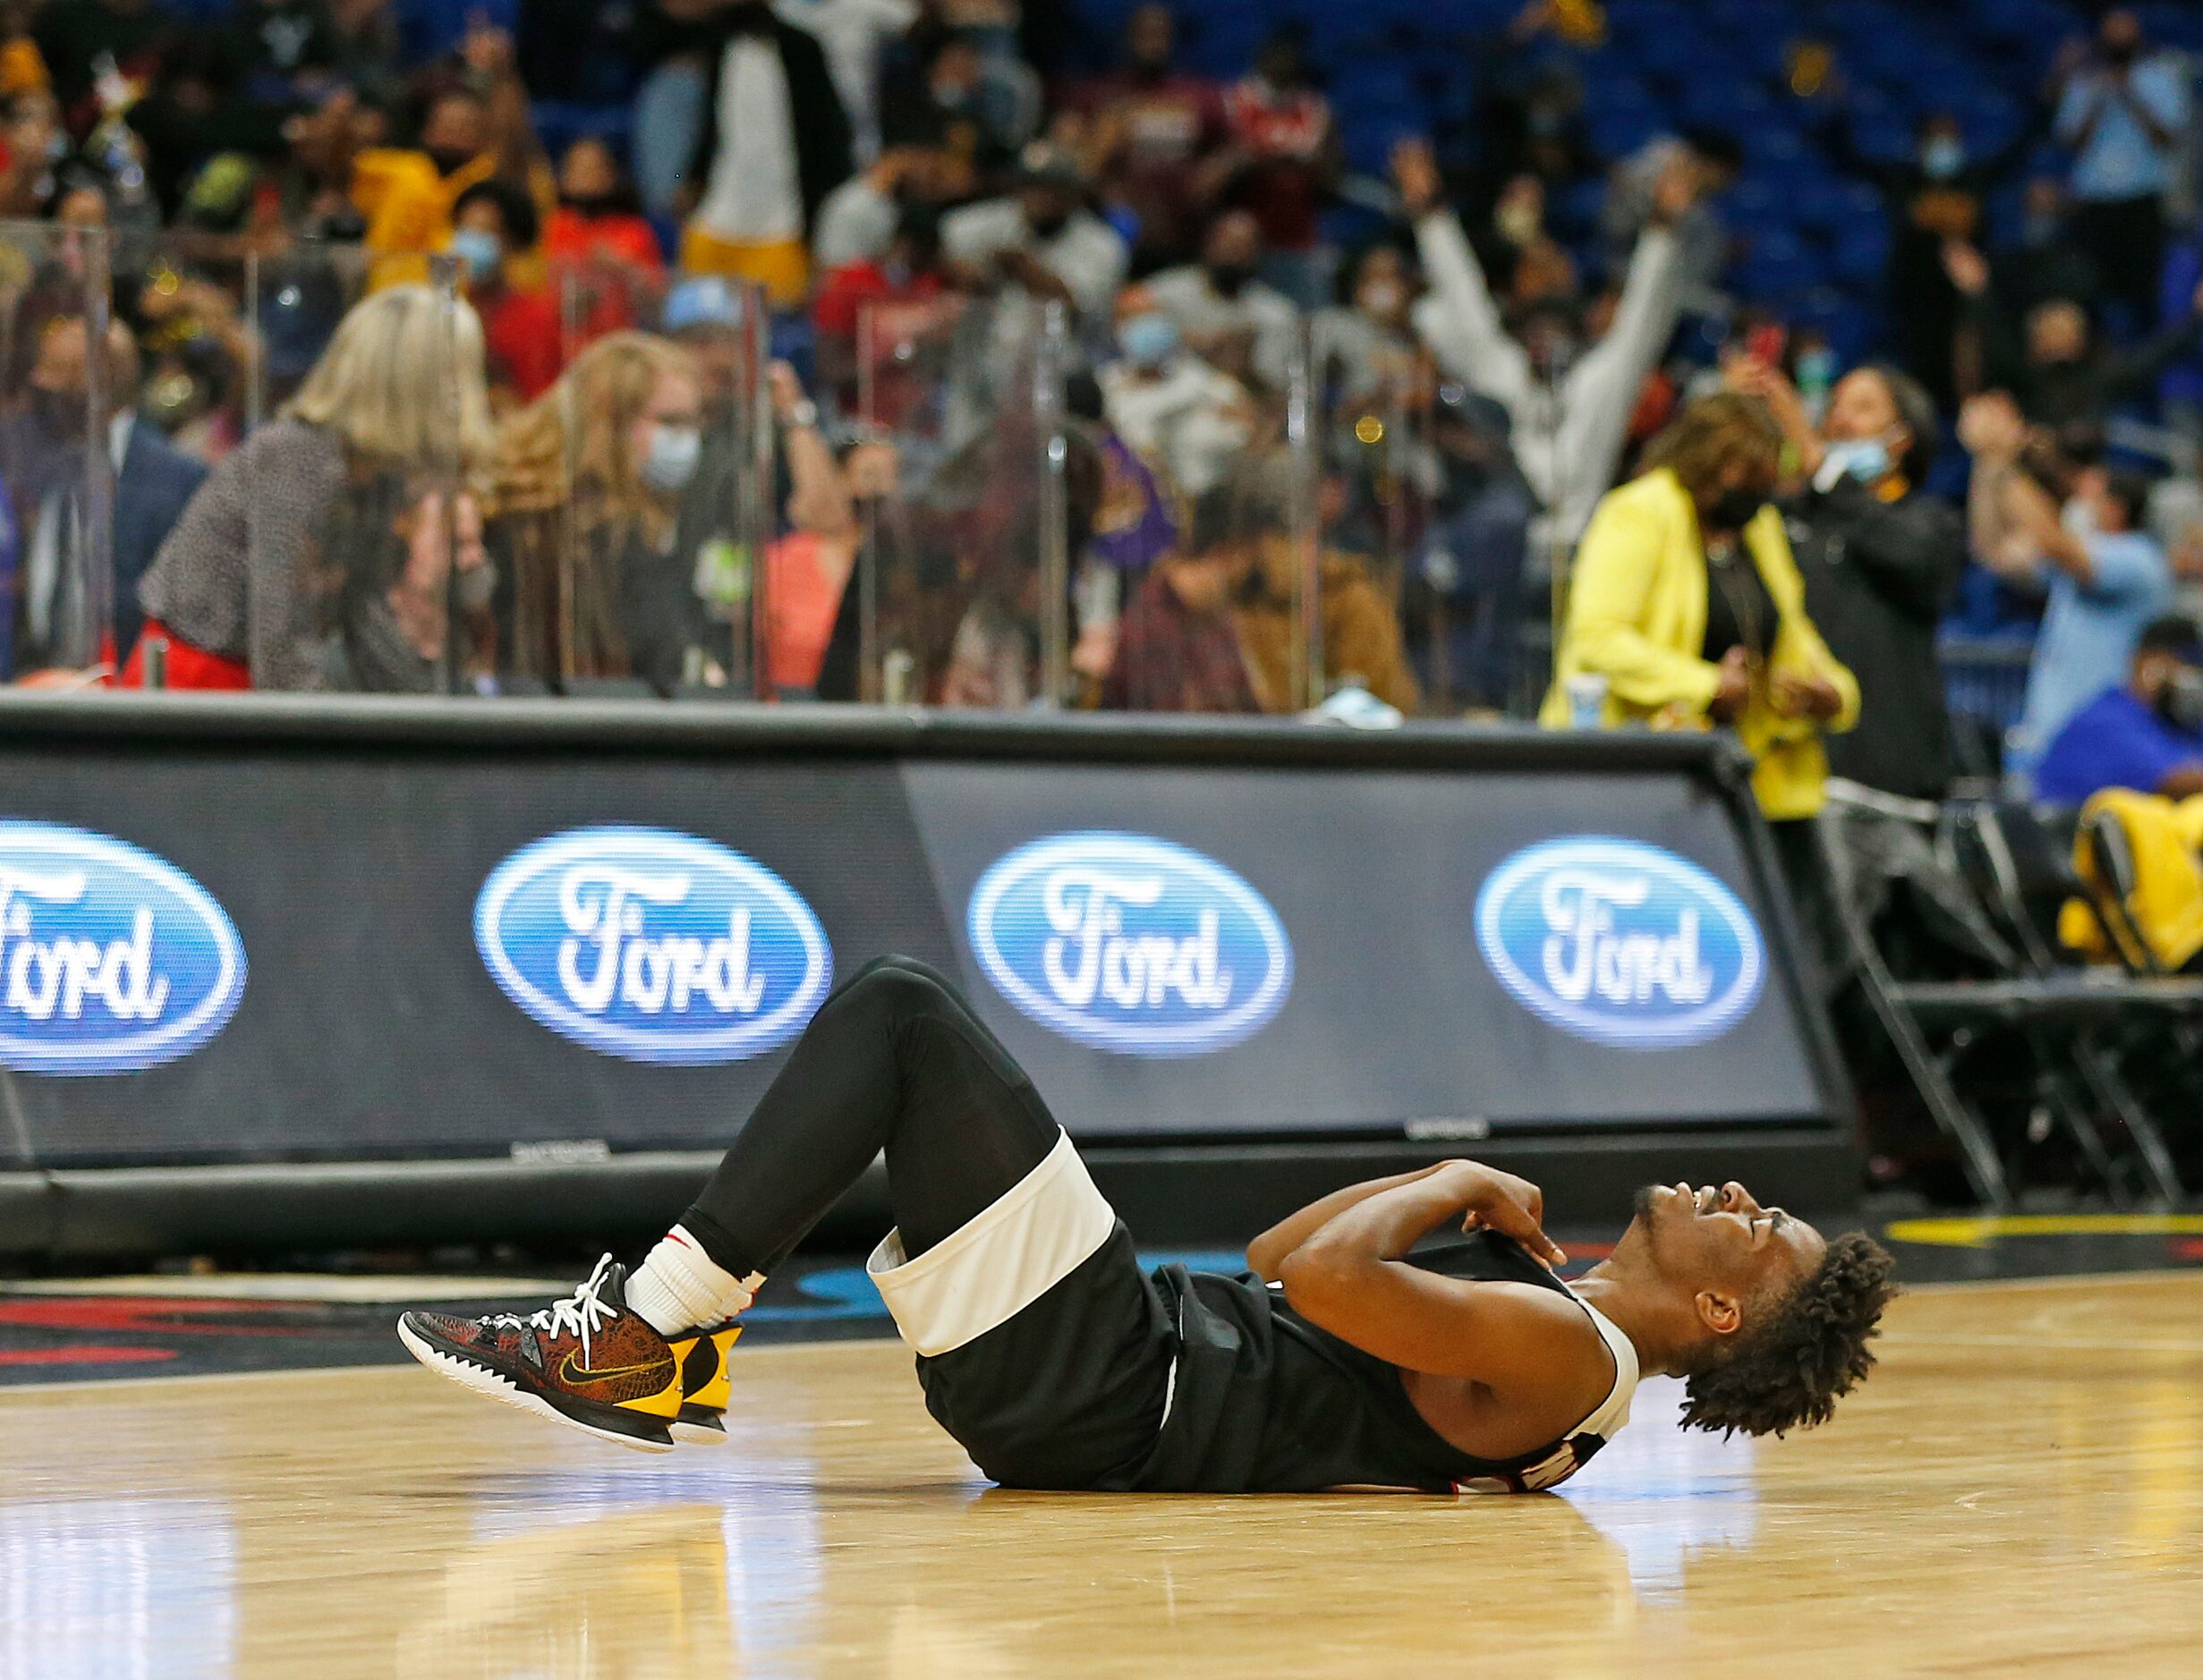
[84, 1356]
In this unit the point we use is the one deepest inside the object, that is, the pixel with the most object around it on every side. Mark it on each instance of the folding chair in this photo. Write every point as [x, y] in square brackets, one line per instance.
[2018, 859]
[1872, 844]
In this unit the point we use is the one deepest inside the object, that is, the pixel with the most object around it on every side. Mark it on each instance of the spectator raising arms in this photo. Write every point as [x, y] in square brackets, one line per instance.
[2147, 736]
[2106, 578]
[1571, 403]
[1881, 560]
[2125, 113]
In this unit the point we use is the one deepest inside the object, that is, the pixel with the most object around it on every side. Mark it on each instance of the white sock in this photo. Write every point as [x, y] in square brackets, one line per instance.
[679, 1288]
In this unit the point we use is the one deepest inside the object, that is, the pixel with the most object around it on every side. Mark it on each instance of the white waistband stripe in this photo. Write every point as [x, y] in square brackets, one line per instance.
[988, 1271]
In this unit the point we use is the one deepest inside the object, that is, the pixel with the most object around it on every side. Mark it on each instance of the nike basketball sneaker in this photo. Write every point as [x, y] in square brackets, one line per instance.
[704, 1387]
[586, 1361]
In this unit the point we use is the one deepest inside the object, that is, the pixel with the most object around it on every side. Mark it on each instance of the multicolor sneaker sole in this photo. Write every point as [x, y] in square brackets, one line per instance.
[704, 1386]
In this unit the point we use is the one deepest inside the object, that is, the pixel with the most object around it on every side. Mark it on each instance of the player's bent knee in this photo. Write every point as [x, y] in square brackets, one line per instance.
[899, 987]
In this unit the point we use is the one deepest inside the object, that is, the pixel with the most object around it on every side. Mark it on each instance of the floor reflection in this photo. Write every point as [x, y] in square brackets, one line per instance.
[1663, 1492]
[120, 1588]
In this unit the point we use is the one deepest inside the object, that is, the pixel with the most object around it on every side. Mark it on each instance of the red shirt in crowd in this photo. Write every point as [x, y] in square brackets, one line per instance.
[1284, 131]
[1164, 125]
[571, 237]
[841, 301]
[521, 328]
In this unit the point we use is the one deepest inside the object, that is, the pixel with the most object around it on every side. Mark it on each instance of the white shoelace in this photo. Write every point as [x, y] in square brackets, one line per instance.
[580, 1313]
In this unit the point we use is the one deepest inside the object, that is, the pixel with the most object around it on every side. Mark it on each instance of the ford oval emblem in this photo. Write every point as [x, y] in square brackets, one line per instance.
[652, 946]
[111, 960]
[1130, 944]
[1619, 942]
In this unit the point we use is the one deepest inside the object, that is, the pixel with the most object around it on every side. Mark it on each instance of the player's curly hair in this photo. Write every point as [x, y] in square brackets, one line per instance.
[1789, 1373]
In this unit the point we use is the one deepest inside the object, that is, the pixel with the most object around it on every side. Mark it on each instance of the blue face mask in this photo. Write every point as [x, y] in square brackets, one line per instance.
[1148, 340]
[1866, 458]
[1941, 158]
[482, 252]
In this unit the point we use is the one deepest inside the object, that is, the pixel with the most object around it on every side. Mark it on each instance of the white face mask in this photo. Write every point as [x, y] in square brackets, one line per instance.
[672, 460]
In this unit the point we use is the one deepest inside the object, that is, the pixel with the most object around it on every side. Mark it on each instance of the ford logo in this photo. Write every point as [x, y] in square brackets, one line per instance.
[1619, 942]
[1130, 944]
[652, 946]
[111, 960]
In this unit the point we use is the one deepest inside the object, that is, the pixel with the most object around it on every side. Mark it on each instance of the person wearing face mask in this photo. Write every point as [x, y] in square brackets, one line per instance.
[2123, 115]
[585, 506]
[1936, 199]
[1686, 600]
[2145, 735]
[1569, 401]
[600, 220]
[1881, 558]
[1364, 343]
[2106, 577]
[493, 235]
[1189, 422]
[1042, 240]
[1222, 309]
[409, 195]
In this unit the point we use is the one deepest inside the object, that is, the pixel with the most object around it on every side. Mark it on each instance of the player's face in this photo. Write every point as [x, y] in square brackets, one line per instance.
[1720, 1238]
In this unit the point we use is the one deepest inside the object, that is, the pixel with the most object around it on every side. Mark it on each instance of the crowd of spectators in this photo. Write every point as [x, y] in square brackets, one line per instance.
[440, 354]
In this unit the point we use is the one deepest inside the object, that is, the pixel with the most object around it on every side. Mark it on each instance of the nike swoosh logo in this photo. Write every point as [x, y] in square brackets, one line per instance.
[568, 1371]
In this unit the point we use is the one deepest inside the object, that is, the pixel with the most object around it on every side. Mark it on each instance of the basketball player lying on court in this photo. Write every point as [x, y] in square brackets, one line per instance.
[1342, 1360]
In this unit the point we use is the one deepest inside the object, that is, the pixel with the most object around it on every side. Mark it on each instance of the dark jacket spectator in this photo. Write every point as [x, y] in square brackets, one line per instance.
[1881, 559]
[775, 143]
[45, 448]
[155, 483]
[1935, 197]
[2053, 363]
[1176, 648]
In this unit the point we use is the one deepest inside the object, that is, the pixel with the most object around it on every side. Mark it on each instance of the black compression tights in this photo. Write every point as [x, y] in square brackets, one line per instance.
[895, 1060]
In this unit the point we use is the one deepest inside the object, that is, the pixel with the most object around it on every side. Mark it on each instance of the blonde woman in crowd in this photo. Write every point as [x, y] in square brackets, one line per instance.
[588, 487]
[311, 557]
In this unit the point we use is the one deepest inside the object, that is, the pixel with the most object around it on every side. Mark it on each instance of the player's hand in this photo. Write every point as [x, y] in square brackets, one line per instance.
[1494, 1201]
[1814, 697]
[1734, 691]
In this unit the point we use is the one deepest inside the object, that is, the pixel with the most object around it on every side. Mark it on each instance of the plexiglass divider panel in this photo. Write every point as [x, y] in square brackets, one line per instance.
[65, 396]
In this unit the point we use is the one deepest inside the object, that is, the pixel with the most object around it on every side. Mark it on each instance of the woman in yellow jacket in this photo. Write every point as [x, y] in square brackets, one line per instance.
[1686, 599]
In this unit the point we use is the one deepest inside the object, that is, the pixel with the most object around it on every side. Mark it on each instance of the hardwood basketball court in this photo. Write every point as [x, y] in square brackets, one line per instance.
[2020, 1490]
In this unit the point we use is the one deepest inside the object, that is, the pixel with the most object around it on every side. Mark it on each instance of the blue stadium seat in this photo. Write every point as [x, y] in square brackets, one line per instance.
[1617, 131]
[1776, 266]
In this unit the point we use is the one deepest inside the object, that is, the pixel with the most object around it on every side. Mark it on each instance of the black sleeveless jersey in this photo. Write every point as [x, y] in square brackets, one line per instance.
[1263, 1401]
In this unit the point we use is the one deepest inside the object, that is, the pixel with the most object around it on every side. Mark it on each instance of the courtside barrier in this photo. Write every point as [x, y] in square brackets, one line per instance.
[355, 969]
